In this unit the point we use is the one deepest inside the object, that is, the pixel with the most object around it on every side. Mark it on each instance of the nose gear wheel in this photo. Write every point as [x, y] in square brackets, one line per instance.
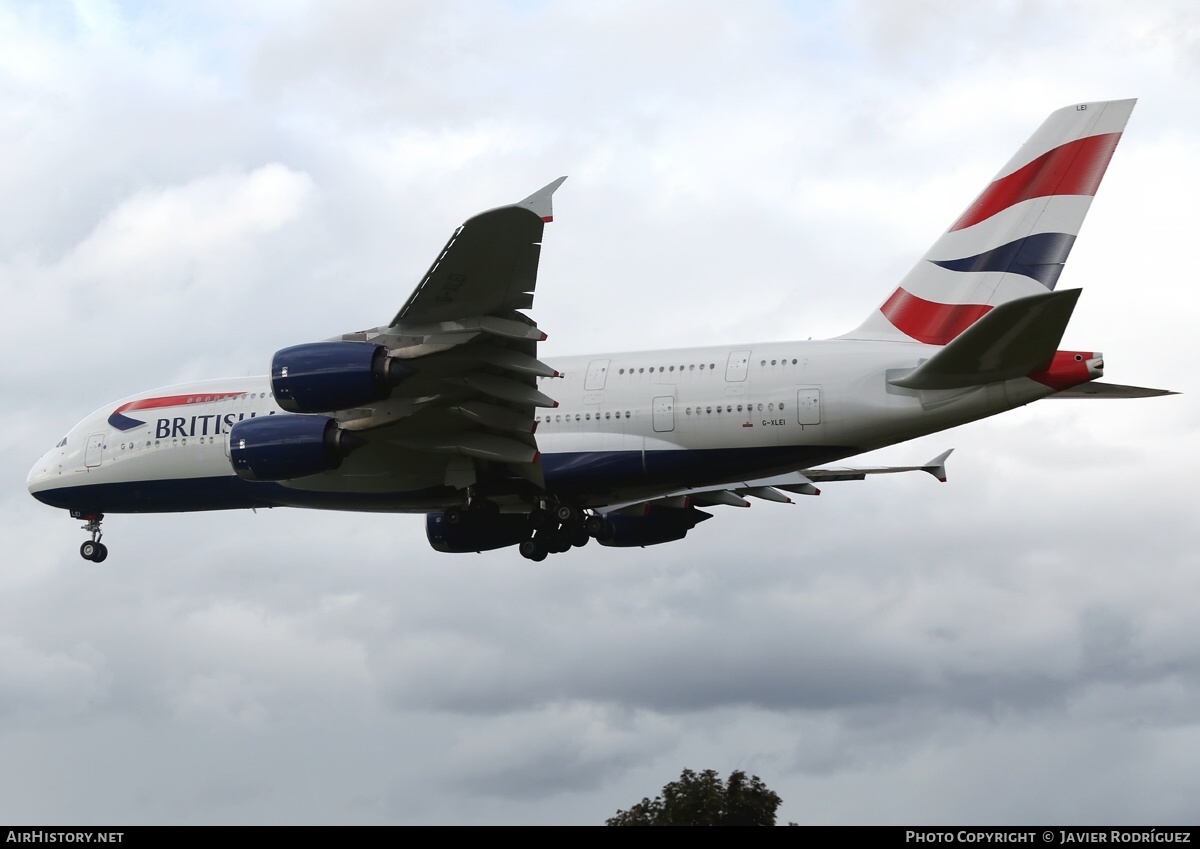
[93, 550]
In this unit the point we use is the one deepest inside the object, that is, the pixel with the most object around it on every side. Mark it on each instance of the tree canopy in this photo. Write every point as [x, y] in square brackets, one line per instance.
[704, 799]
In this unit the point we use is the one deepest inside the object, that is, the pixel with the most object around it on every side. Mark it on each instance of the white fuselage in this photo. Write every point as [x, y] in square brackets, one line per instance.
[627, 425]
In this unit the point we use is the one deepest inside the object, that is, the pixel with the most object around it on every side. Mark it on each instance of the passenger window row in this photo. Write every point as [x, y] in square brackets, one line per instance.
[769, 407]
[781, 361]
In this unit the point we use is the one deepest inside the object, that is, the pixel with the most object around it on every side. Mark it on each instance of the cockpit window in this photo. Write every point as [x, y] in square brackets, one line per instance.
[61, 443]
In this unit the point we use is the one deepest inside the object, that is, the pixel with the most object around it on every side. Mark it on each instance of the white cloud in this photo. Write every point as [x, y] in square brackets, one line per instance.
[159, 236]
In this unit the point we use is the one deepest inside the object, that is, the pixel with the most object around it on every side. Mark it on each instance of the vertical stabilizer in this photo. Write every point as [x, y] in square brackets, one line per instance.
[1013, 240]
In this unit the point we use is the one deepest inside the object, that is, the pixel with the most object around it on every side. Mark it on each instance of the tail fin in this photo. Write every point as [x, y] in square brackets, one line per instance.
[1013, 240]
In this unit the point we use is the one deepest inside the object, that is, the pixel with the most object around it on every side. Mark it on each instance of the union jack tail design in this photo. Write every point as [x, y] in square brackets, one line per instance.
[1013, 240]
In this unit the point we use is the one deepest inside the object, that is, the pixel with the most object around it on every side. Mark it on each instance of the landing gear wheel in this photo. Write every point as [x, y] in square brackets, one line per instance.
[595, 526]
[93, 549]
[566, 514]
[578, 536]
[533, 550]
[539, 519]
[454, 515]
[552, 542]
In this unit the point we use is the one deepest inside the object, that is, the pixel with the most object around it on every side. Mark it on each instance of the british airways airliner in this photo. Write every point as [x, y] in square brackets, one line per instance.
[449, 411]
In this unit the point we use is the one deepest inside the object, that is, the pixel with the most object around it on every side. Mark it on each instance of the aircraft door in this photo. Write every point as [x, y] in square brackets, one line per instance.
[94, 454]
[808, 405]
[664, 413]
[597, 373]
[737, 366]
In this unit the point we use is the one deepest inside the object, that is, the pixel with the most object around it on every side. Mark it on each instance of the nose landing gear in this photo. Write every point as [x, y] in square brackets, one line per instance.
[93, 550]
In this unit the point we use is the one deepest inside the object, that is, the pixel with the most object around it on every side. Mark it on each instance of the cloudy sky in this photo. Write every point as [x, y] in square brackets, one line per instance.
[185, 190]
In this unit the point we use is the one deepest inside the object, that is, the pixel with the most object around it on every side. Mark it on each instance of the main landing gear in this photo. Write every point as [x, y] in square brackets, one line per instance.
[561, 527]
[476, 508]
[93, 550]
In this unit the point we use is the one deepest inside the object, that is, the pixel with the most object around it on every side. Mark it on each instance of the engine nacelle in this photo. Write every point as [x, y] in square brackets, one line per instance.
[476, 532]
[656, 525]
[279, 448]
[321, 377]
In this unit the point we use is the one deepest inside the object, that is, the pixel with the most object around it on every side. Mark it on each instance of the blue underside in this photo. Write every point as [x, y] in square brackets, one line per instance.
[600, 471]
[566, 475]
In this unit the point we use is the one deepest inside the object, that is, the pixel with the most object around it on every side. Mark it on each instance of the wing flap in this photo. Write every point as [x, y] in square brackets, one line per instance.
[495, 417]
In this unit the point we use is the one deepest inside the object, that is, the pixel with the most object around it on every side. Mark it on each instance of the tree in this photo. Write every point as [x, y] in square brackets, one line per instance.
[704, 799]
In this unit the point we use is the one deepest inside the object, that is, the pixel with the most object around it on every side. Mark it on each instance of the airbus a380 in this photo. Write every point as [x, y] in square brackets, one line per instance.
[448, 410]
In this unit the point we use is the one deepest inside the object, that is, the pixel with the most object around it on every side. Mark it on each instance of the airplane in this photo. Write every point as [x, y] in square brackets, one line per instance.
[448, 410]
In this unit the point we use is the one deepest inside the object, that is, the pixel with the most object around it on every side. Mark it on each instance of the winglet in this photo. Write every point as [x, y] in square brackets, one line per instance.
[937, 466]
[539, 201]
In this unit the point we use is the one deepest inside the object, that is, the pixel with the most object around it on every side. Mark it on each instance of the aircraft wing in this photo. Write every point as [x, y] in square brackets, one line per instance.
[470, 356]
[489, 266]
[735, 493]
[935, 467]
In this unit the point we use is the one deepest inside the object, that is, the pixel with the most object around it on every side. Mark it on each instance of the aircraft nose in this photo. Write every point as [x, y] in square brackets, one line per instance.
[38, 479]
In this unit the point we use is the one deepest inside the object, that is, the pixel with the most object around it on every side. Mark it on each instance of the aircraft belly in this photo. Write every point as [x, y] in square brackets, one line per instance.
[229, 492]
[187, 474]
[379, 468]
[872, 414]
[606, 472]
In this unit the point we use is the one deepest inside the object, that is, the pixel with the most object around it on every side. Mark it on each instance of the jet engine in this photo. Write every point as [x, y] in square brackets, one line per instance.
[476, 531]
[656, 525]
[278, 448]
[324, 376]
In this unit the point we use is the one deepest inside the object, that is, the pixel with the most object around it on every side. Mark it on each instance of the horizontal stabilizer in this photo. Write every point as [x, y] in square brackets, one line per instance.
[1012, 340]
[1110, 390]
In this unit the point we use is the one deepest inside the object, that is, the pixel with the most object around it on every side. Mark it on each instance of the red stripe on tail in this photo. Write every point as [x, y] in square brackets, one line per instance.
[929, 321]
[1074, 168]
